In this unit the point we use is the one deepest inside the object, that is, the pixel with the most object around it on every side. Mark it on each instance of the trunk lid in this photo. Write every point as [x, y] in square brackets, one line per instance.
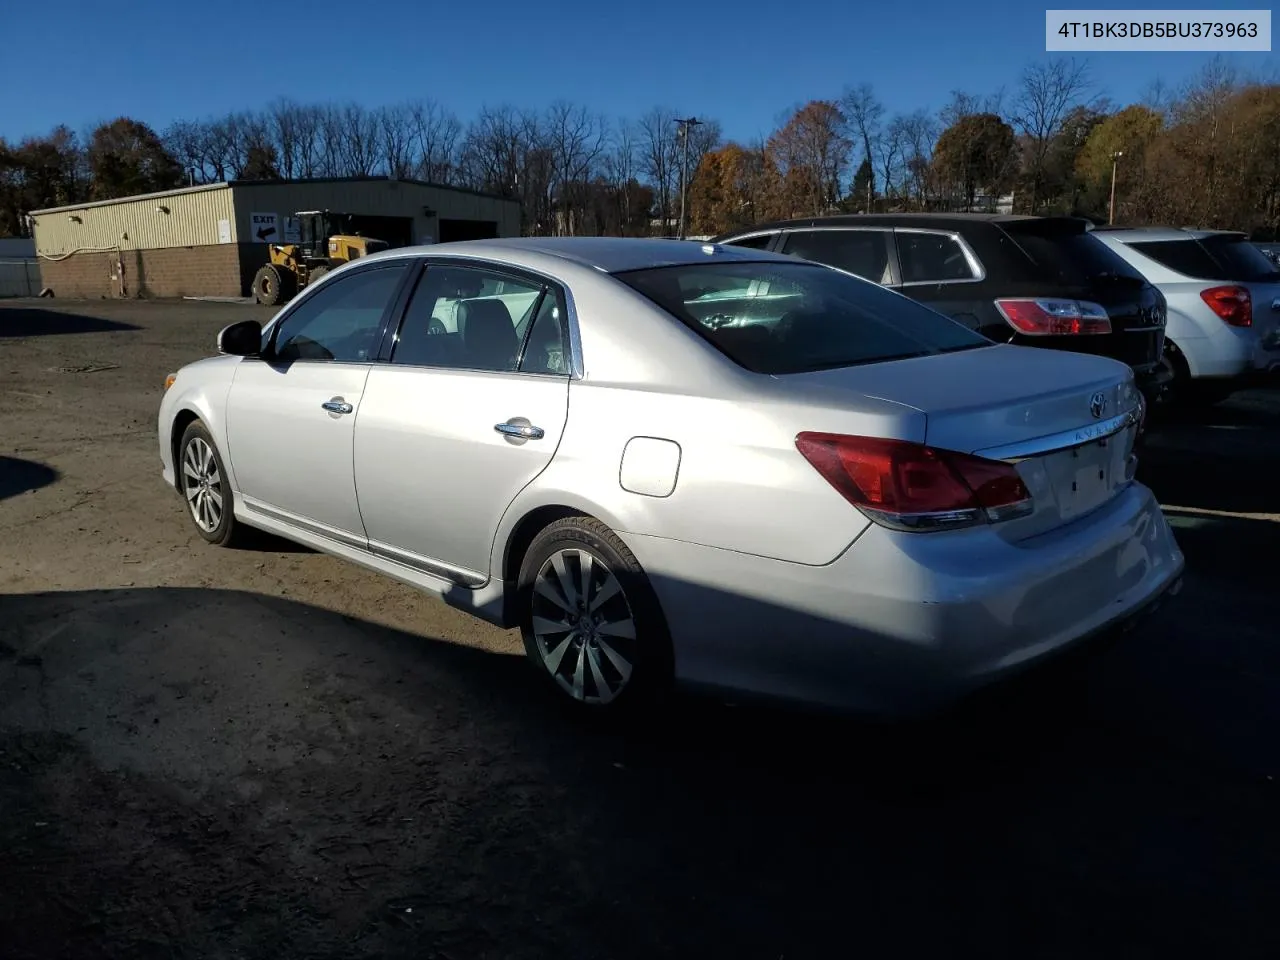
[1067, 421]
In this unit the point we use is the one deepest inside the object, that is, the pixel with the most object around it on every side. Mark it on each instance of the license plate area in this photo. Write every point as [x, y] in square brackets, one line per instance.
[1083, 478]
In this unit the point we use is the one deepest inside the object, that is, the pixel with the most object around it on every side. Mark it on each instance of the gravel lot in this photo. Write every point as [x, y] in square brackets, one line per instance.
[269, 753]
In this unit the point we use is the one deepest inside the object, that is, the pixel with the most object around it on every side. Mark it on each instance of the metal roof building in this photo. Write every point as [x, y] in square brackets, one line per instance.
[210, 240]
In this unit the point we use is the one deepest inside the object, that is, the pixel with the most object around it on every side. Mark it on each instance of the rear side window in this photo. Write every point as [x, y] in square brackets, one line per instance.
[861, 252]
[1241, 260]
[1071, 258]
[760, 241]
[794, 317]
[932, 258]
[1186, 257]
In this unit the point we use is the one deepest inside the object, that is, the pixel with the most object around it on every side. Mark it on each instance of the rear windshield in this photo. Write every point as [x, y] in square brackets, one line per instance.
[777, 317]
[1223, 259]
[1070, 257]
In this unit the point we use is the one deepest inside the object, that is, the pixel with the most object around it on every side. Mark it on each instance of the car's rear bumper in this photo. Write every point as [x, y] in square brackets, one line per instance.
[907, 622]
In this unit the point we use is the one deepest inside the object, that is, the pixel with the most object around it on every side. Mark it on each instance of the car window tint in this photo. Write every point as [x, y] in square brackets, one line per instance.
[932, 258]
[791, 317]
[545, 349]
[861, 252]
[760, 241]
[466, 318]
[1186, 257]
[1241, 260]
[1069, 256]
[341, 320]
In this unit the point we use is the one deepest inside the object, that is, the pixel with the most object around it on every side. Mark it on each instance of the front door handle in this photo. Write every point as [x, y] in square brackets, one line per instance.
[519, 428]
[337, 405]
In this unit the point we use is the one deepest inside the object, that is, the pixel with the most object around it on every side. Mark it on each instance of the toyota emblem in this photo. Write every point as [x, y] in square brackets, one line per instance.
[1098, 405]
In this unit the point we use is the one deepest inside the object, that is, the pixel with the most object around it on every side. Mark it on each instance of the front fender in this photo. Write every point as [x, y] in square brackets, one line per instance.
[199, 392]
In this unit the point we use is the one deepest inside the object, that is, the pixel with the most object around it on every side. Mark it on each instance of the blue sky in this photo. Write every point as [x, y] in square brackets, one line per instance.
[744, 63]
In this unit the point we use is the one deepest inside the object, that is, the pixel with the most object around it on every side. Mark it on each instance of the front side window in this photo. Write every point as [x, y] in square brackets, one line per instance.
[861, 252]
[342, 320]
[932, 258]
[793, 317]
[467, 318]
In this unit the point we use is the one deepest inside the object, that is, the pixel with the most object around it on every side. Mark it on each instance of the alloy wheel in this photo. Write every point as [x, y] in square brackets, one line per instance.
[583, 626]
[202, 484]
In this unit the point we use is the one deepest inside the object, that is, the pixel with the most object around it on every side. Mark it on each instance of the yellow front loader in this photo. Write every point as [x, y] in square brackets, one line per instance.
[322, 245]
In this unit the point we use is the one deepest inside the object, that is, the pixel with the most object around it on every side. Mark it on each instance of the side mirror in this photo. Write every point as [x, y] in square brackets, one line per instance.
[243, 339]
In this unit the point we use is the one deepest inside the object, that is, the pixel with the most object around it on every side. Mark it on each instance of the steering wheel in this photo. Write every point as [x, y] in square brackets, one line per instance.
[436, 326]
[718, 321]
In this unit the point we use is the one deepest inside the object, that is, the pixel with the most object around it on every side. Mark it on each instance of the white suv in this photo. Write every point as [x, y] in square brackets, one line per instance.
[1224, 306]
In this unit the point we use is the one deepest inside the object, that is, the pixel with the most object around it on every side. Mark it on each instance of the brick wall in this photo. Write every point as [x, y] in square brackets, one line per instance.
[212, 271]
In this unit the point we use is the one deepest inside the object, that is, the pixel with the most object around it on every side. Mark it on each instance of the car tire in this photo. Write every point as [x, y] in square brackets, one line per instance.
[1185, 393]
[591, 622]
[202, 481]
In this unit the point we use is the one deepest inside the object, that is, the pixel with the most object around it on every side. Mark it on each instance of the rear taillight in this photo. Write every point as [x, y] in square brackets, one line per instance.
[1054, 318]
[1233, 305]
[908, 486]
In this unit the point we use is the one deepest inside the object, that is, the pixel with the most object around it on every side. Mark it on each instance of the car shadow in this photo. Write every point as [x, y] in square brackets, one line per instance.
[36, 322]
[195, 771]
[23, 476]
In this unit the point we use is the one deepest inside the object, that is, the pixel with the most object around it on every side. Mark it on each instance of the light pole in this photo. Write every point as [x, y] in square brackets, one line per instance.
[685, 125]
[1115, 160]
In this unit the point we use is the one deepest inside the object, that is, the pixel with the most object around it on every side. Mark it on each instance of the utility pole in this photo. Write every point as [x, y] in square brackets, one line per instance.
[685, 125]
[1115, 160]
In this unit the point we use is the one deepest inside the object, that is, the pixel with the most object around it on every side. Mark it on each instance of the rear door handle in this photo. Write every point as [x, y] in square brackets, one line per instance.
[337, 405]
[520, 429]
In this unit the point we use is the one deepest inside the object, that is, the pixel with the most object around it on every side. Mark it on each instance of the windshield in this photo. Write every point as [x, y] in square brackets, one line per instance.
[778, 318]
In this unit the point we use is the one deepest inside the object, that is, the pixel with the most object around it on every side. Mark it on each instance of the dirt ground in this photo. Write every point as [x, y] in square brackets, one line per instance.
[269, 753]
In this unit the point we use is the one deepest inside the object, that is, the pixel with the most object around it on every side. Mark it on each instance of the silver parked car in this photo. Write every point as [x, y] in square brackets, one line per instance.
[1223, 329]
[665, 460]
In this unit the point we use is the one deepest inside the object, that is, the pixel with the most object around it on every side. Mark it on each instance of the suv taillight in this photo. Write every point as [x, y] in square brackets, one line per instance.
[1054, 318]
[1233, 305]
[908, 486]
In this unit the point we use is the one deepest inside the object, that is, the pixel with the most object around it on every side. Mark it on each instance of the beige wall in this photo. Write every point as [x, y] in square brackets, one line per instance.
[192, 221]
[378, 198]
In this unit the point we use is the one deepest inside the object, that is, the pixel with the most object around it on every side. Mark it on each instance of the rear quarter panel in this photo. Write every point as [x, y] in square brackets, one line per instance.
[740, 484]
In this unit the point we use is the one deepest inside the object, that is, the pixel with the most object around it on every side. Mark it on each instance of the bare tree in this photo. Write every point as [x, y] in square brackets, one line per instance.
[619, 169]
[892, 152]
[436, 136]
[660, 155]
[963, 104]
[576, 140]
[490, 154]
[863, 112]
[1047, 92]
[185, 140]
[358, 140]
[920, 133]
[395, 141]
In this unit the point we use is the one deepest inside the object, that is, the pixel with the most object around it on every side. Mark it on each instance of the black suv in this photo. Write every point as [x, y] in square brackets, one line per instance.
[1034, 281]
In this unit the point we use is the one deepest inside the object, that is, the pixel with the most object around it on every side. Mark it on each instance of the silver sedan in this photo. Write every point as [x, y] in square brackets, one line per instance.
[673, 462]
